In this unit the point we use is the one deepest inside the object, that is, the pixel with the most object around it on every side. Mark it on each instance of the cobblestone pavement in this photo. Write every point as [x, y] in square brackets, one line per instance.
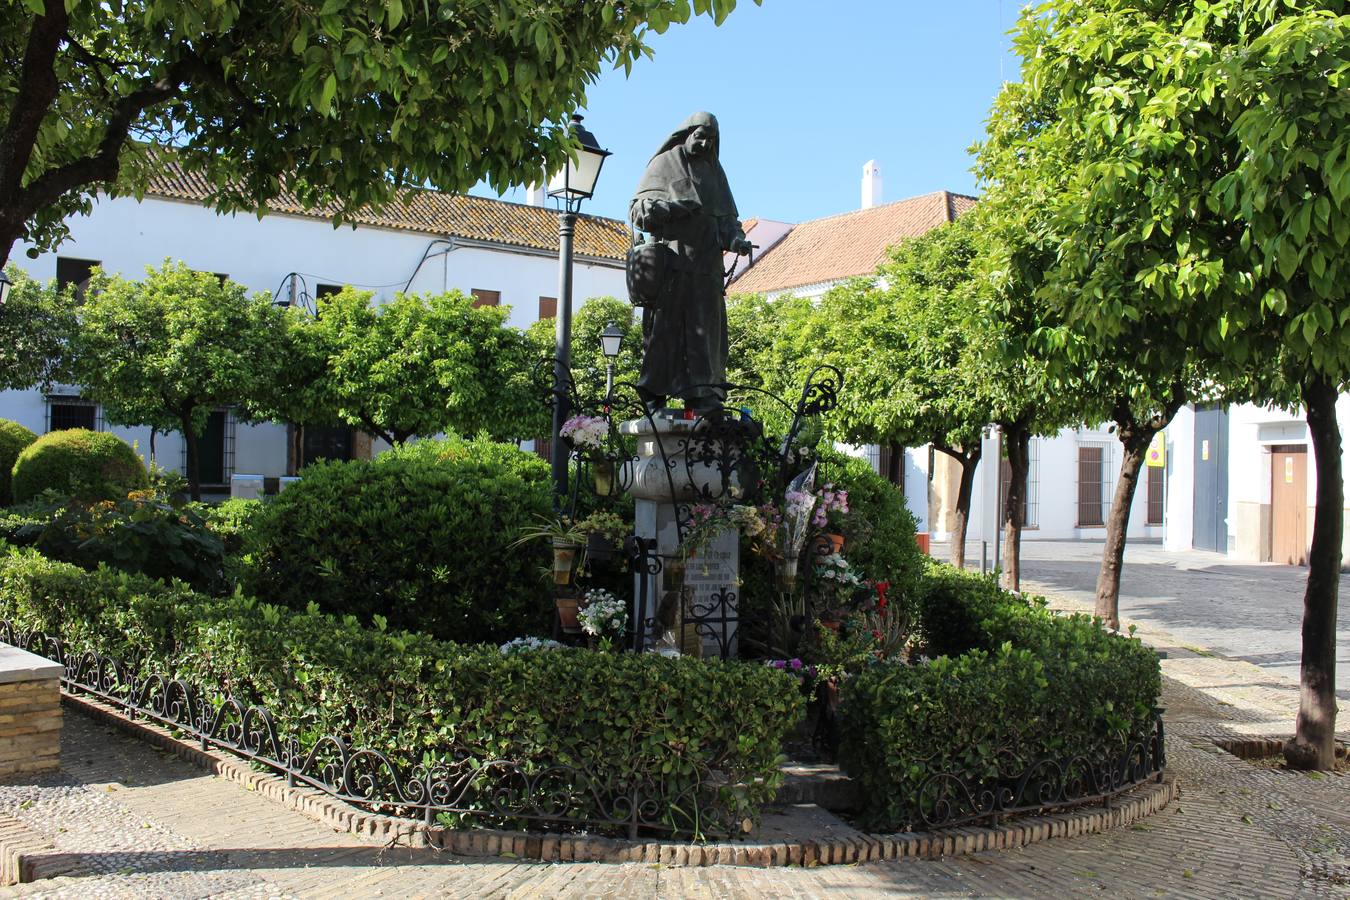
[131, 821]
[1251, 612]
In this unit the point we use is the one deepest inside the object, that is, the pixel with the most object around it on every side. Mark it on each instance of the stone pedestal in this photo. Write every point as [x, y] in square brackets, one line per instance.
[30, 713]
[664, 484]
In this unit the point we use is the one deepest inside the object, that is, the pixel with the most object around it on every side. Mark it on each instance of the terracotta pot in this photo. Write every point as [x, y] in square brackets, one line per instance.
[829, 543]
[604, 477]
[567, 614]
[564, 558]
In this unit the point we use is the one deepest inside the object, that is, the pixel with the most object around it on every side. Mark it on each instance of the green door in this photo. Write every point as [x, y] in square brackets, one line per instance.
[211, 449]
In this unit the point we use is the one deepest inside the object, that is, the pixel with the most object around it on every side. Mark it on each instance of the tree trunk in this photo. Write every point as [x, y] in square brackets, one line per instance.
[1135, 447]
[969, 461]
[1313, 746]
[1018, 440]
[1135, 438]
[190, 440]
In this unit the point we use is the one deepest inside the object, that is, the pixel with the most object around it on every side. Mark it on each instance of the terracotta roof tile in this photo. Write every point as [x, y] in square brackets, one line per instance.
[432, 212]
[849, 244]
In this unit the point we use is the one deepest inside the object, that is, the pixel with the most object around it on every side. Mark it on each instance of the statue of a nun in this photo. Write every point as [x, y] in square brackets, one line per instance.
[683, 199]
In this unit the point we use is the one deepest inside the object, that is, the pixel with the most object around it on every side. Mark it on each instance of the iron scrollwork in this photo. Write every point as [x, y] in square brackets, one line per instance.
[952, 799]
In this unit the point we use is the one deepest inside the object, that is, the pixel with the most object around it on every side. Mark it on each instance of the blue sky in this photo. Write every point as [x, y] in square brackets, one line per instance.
[806, 91]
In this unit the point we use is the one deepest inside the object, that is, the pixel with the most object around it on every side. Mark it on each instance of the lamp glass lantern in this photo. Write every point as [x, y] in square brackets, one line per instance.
[576, 181]
[610, 339]
[5, 285]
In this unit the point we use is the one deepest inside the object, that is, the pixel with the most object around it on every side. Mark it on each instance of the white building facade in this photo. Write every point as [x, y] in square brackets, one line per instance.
[503, 253]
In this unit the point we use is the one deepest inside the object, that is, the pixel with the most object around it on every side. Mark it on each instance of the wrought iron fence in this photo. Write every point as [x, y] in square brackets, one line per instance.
[462, 787]
[948, 800]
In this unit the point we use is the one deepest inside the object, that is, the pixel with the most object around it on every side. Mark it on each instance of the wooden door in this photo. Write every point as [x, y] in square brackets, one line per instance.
[1289, 505]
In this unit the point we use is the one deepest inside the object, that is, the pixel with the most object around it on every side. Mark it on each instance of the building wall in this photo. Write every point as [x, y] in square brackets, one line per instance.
[126, 236]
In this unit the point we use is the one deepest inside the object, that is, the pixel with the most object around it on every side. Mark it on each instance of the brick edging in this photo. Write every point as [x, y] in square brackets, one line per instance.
[1124, 809]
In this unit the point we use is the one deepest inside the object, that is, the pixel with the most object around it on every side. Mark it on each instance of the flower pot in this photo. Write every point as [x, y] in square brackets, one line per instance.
[567, 614]
[564, 558]
[829, 543]
[604, 477]
[599, 548]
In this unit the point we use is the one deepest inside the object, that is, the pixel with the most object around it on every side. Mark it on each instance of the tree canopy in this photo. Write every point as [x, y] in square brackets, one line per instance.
[340, 103]
[167, 350]
[415, 366]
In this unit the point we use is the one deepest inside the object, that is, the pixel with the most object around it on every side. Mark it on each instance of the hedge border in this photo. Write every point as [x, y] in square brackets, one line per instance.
[1125, 809]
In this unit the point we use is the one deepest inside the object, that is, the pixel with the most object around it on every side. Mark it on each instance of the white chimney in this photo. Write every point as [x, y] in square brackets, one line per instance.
[535, 195]
[871, 184]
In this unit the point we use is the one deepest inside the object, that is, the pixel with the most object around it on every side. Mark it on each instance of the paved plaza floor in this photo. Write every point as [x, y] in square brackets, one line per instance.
[127, 820]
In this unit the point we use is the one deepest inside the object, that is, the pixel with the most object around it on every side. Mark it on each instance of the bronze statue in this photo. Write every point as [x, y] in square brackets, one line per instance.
[684, 203]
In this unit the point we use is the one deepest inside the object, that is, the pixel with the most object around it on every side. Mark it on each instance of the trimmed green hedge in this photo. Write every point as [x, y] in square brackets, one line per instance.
[1013, 684]
[13, 439]
[632, 718]
[421, 536]
[76, 462]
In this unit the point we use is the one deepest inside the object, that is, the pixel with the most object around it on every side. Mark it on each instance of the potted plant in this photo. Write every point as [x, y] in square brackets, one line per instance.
[567, 540]
[604, 532]
[604, 617]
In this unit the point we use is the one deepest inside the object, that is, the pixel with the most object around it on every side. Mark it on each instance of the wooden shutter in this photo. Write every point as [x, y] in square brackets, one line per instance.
[548, 307]
[1090, 486]
[1156, 474]
[486, 298]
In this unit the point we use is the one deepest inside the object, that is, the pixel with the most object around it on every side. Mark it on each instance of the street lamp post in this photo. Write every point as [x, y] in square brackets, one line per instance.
[573, 183]
[610, 339]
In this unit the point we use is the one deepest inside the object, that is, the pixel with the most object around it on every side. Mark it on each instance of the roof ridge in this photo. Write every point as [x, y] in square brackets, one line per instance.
[854, 212]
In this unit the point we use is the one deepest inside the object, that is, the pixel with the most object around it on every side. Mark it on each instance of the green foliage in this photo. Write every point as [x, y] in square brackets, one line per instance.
[879, 529]
[588, 359]
[167, 350]
[413, 367]
[35, 328]
[139, 534]
[1013, 685]
[230, 520]
[13, 439]
[632, 718]
[86, 465]
[879, 543]
[343, 107]
[421, 536]
[908, 344]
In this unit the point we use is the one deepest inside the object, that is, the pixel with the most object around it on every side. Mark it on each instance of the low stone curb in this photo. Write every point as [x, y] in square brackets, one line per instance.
[26, 855]
[851, 847]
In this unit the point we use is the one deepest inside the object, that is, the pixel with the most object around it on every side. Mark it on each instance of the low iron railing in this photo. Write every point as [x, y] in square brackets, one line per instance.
[946, 800]
[494, 792]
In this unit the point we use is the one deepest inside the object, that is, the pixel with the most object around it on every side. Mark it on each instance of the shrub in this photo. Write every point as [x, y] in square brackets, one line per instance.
[87, 465]
[1014, 685]
[879, 529]
[421, 536]
[13, 439]
[629, 718]
[139, 534]
[230, 521]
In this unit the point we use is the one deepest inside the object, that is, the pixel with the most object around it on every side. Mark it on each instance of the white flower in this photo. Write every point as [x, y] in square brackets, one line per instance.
[523, 644]
[604, 614]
